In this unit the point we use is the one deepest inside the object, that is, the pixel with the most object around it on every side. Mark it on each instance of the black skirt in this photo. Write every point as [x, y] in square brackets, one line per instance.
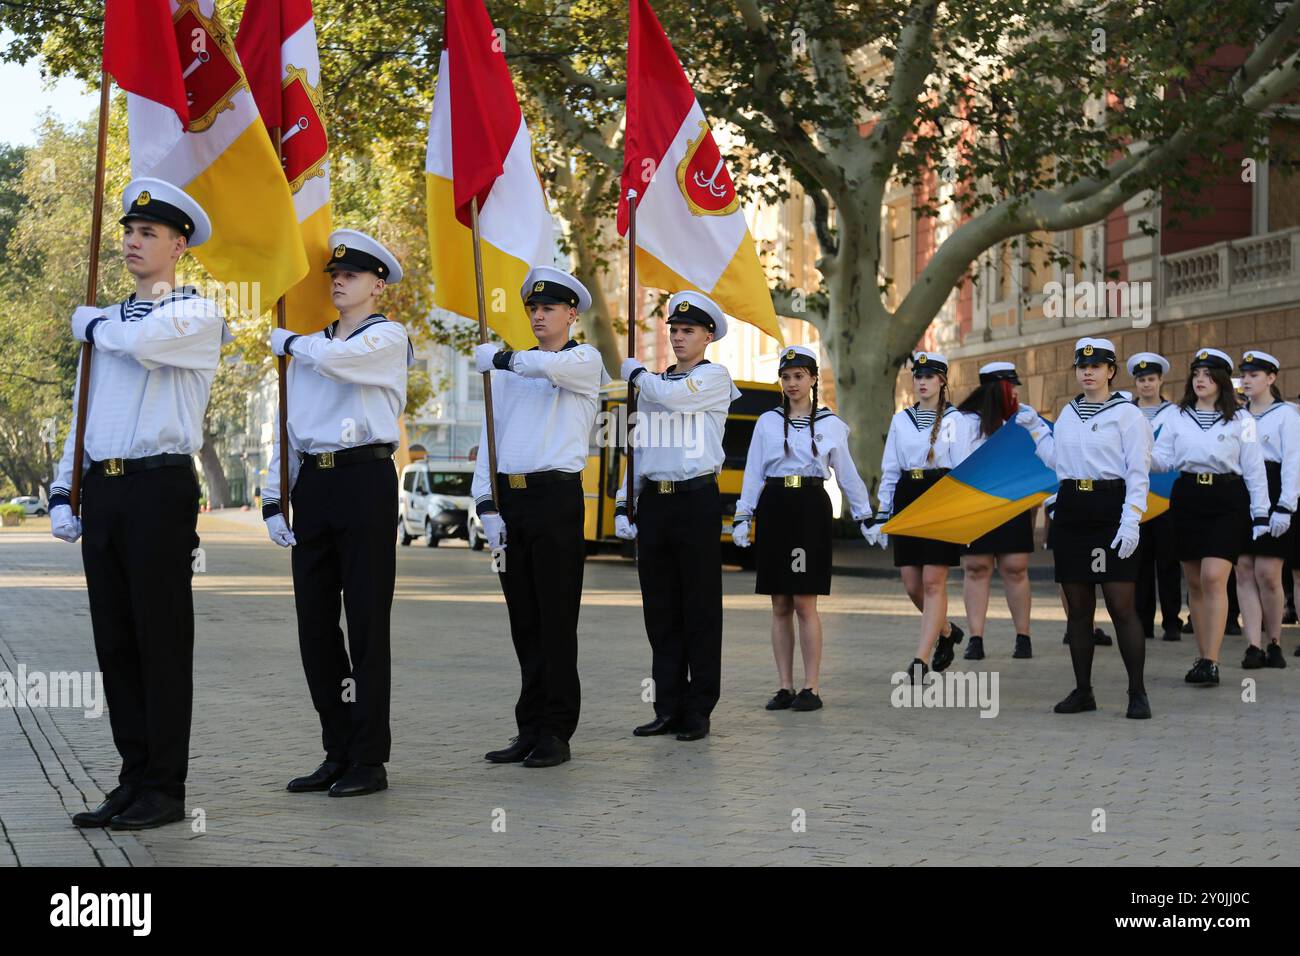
[1268, 546]
[916, 552]
[1210, 521]
[1011, 537]
[1083, 528]
[793, 538]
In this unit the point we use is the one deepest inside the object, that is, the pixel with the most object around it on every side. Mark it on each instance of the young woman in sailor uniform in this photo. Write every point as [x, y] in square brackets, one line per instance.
[793, 451]
[1009, 545]
[1159, 573]
[925, 441]
[1220, 500]
[1259, 569]
[1101, 450]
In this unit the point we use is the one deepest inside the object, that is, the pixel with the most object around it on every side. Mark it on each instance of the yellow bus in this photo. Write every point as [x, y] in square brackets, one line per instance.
[604, 471]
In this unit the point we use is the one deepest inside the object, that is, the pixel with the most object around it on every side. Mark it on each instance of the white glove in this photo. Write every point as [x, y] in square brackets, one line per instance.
[1026, 417]
[623, 528]
[1126, 539]
[740, 534]
[629, 367]
[494, 528]
[82, 316]
[278, 339]
[483, 356]
[1258, 531]
[1278, 523]
[874, 535]
[64, 524]
[279, 531]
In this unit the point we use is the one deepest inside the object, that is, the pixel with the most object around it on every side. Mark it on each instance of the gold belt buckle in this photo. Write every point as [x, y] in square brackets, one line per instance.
[665, 487]
[794, 481]
[325, 459]
[918, 473]
[113, 467]
[1205, 478]
[1083, 484]
[518, 481]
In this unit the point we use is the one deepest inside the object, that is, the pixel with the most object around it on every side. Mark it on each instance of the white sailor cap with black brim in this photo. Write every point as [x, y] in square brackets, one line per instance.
[999, 372]
[797, 356]
[548, 286]
[1256, 361]
[929, 363]
[1212, 358]
[351, 249]
[1090, 351]
[155, 200]
[1148, 363]
[699, 309]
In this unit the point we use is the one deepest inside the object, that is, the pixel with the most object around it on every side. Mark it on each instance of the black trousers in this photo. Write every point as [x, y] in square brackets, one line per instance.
[542, 581]
[679, 560]
[138, 548]
[345, 520]
[1159, 575]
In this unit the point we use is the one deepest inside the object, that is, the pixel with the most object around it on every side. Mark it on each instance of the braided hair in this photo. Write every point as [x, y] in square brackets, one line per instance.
[812, 419]
[938, 420]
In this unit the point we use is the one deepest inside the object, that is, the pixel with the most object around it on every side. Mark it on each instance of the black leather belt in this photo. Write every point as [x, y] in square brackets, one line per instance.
[1208, 478]
[795, 481]
[534, 479]
[1093, 484]
[654, 486]
[921, 474]
[348, 456]
[116, 467]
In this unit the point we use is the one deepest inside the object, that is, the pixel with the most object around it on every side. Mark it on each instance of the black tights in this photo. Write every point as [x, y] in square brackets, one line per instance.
[1081, 607]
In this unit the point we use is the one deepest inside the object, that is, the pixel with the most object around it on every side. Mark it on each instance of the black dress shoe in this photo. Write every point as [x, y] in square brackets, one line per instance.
[1254, 658]
[520, 747]
[1101, 638]
[781, 700]
[695, 727]
[1187, 625]
[150, 809]
[1076, 702]
[1066, 638]
[1024, 648]
[1172, 634]
[974, 648]
[911, 669]
[1197, 674]
[1273, 656]
[114, 803]
[359, 780]
[660, 725]
[550, 752]
[807, 700]
[1233, 628]
[943, 650]
[318, 779]
[1139, 708]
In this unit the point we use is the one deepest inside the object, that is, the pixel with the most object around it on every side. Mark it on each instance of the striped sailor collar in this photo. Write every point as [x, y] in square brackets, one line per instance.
[913, 410]
[1271, 408]
[571, 344]
[1164, 403]
[374, 318]
[671, 371]
[175, 295]
[1115, 400]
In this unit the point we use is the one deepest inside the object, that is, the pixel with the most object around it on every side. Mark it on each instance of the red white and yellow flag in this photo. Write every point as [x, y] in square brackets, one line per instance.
[277, 46]
[690, 230]
[192, 122]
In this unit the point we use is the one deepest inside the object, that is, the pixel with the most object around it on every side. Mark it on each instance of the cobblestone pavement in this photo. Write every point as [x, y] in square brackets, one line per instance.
[1210, 780]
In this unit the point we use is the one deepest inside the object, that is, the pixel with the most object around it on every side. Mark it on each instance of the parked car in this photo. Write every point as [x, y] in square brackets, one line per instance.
[31, 504]
[435, 503]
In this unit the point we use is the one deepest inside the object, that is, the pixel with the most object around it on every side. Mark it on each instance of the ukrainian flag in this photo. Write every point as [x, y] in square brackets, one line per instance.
[1162, 486]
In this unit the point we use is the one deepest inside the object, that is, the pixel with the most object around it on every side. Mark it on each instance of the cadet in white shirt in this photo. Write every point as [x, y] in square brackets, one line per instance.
[1159, 573]
[1219, 501]
[154, 357]
[346, 387]
[544, 401]
[784, 493]
[925, 442]
[681, 414]
[1259, 569]
[1101, 450]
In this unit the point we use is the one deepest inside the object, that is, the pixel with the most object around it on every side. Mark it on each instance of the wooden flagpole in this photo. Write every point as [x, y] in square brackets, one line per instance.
[92, 288]
[281, 366]
[633, 314]
[482, 338]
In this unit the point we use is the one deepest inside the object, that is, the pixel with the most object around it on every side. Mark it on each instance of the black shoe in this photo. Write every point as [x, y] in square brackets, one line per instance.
[1066, 639]
[1150, 635]
[1101, 638]
[150, 809]
[974, 649]
[781, 700]
[1023, 647]
[1289, 616]
[1187, 625]
[1197, 674]
[550, 751]
[1273, 656]
[660, 725]
[360, 780]
[1077, 701]
[114, 803]
[943, 651]
[911, 669]
[1172, 634]
[1211, 673]
[1233, 628]
[520, 747]
[318, 779]
[1139, 708]
[695, 727]
[807, 700]
[1254, 658]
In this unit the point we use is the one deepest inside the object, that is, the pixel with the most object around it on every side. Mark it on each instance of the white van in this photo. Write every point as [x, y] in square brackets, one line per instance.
[435, 502]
